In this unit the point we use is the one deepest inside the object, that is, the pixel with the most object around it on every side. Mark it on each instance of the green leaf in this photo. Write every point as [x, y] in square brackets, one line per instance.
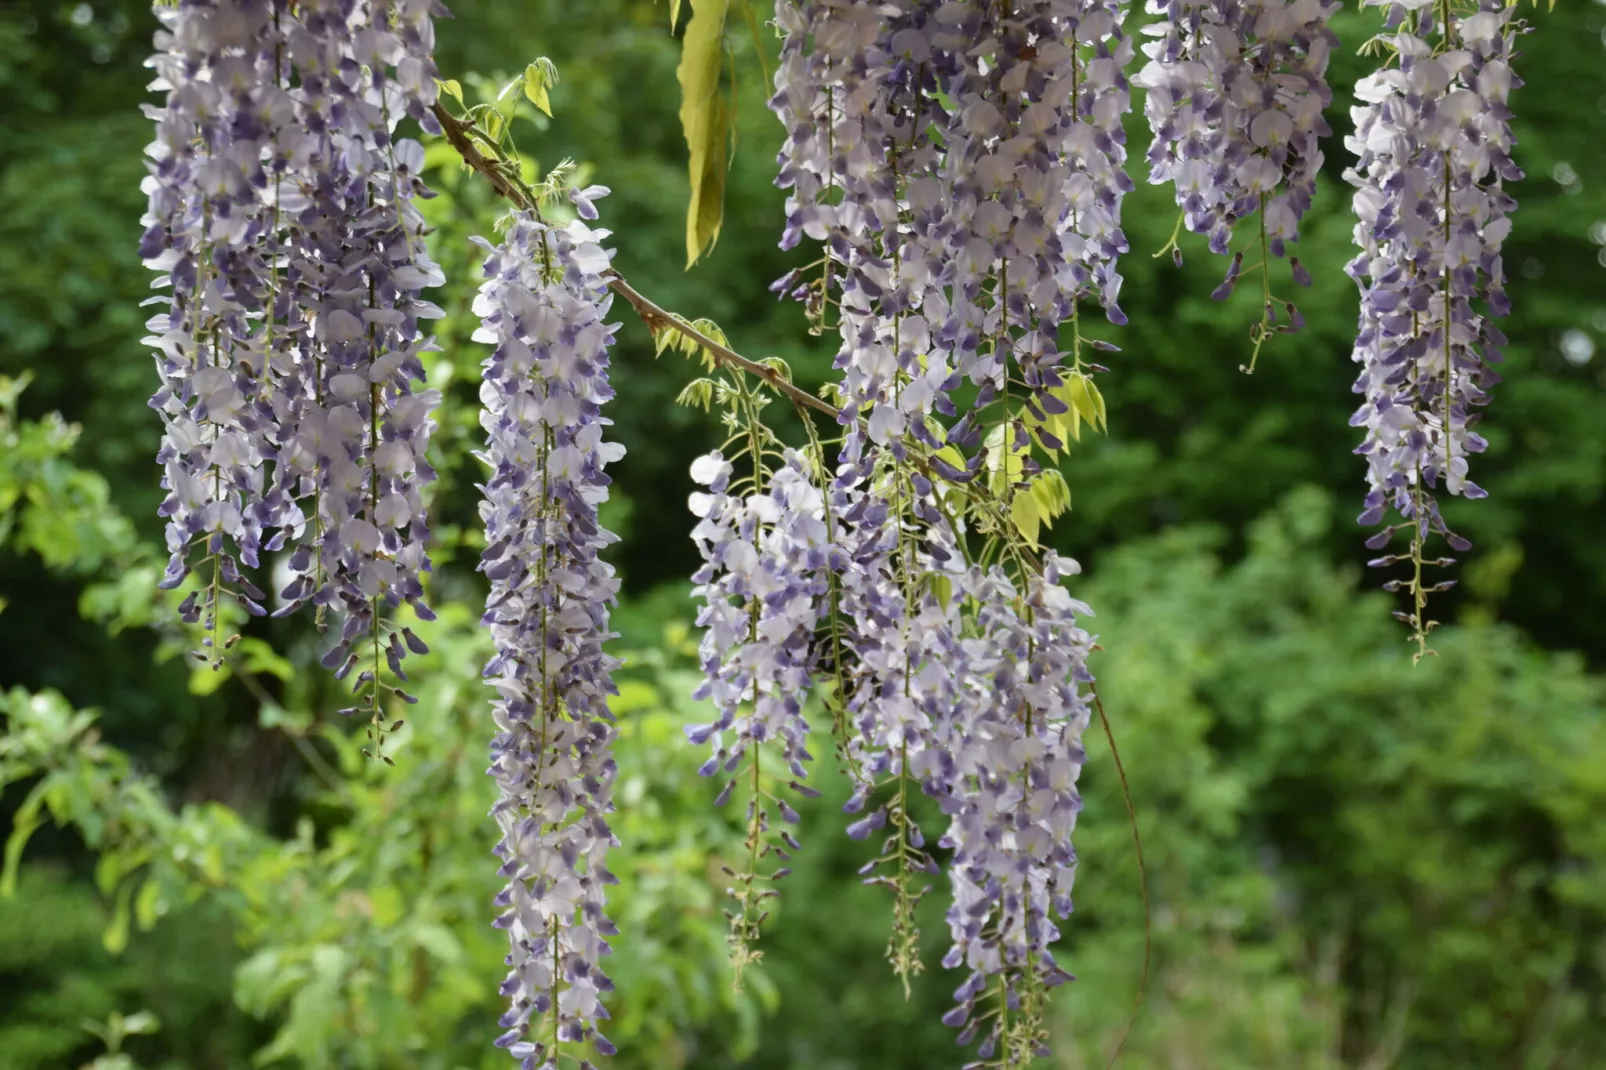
[258, 657]
[141, 1022]
[705, 120]
[1084, 399]
[493, 123]
[20, 831]
[1005, 464]
[385, 906]
[451, 88]
[1097, 400]
[1024, 515]
[535, 90]
[204, 679]
[758, 41]
[27, 820]
[1050, 495]
[539, 77]
[636, 695]
[698, 394]
[438, 940]
[147, 906]
[115, 938]
[296, 722]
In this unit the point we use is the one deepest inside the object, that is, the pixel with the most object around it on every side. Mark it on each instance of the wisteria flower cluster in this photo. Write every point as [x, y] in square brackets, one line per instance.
[1433, 142]
[544, 306]
[1017, 754]
[764, 593]
[962, 166]
[282, 215]
[1236, 91]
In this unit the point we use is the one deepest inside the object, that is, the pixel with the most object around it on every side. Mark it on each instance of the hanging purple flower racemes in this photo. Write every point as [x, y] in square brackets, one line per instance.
[1433, 142]
[962, 165]
[282, 213]
[1235, 99]
[544, 306]
[1017, 754]
[764, 592]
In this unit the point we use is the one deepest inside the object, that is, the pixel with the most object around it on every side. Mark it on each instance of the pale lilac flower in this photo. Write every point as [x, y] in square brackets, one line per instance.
[222, 131]
[763, 592]
[962, 165]
[354, 418]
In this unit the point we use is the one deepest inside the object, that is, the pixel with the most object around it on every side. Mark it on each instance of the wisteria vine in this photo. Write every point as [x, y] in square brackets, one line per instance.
[960, 166]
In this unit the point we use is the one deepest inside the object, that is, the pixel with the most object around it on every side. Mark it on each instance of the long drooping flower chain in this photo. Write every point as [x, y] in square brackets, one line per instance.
[1433, 142]
[1236, 93]
[282, 216]
[961, 164]
[544, 307]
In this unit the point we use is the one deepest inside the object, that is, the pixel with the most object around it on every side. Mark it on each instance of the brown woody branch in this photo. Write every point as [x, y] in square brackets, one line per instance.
[658, 319]
[653, 316]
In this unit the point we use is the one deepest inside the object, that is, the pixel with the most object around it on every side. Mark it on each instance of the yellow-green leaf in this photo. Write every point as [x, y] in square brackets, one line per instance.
[1076, 385]
[1097, 400]
[705, 120]
[1043, 495]
[450, 87]
[1053, 496]
[115, 938]
[1005, 466]
[22, 827]
[147, 906]
[494, 124]
[385, 906]
[636, 695]
[1068, 423]
[1084, 399]
[535, 88]
[204, 679]
[1024, 515]
[663, 338]
[708, 329]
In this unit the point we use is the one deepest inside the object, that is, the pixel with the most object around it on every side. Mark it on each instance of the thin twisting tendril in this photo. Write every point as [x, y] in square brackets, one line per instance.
[1143, 875]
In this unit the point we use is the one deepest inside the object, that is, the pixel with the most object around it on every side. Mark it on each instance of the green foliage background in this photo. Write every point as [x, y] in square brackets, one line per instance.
[1354, 863]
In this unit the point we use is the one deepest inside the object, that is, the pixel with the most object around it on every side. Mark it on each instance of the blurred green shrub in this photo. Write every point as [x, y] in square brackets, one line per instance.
[368, 941]
[1354, 863]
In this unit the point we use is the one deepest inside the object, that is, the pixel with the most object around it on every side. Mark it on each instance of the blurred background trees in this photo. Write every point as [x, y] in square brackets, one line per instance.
[1354, 863]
